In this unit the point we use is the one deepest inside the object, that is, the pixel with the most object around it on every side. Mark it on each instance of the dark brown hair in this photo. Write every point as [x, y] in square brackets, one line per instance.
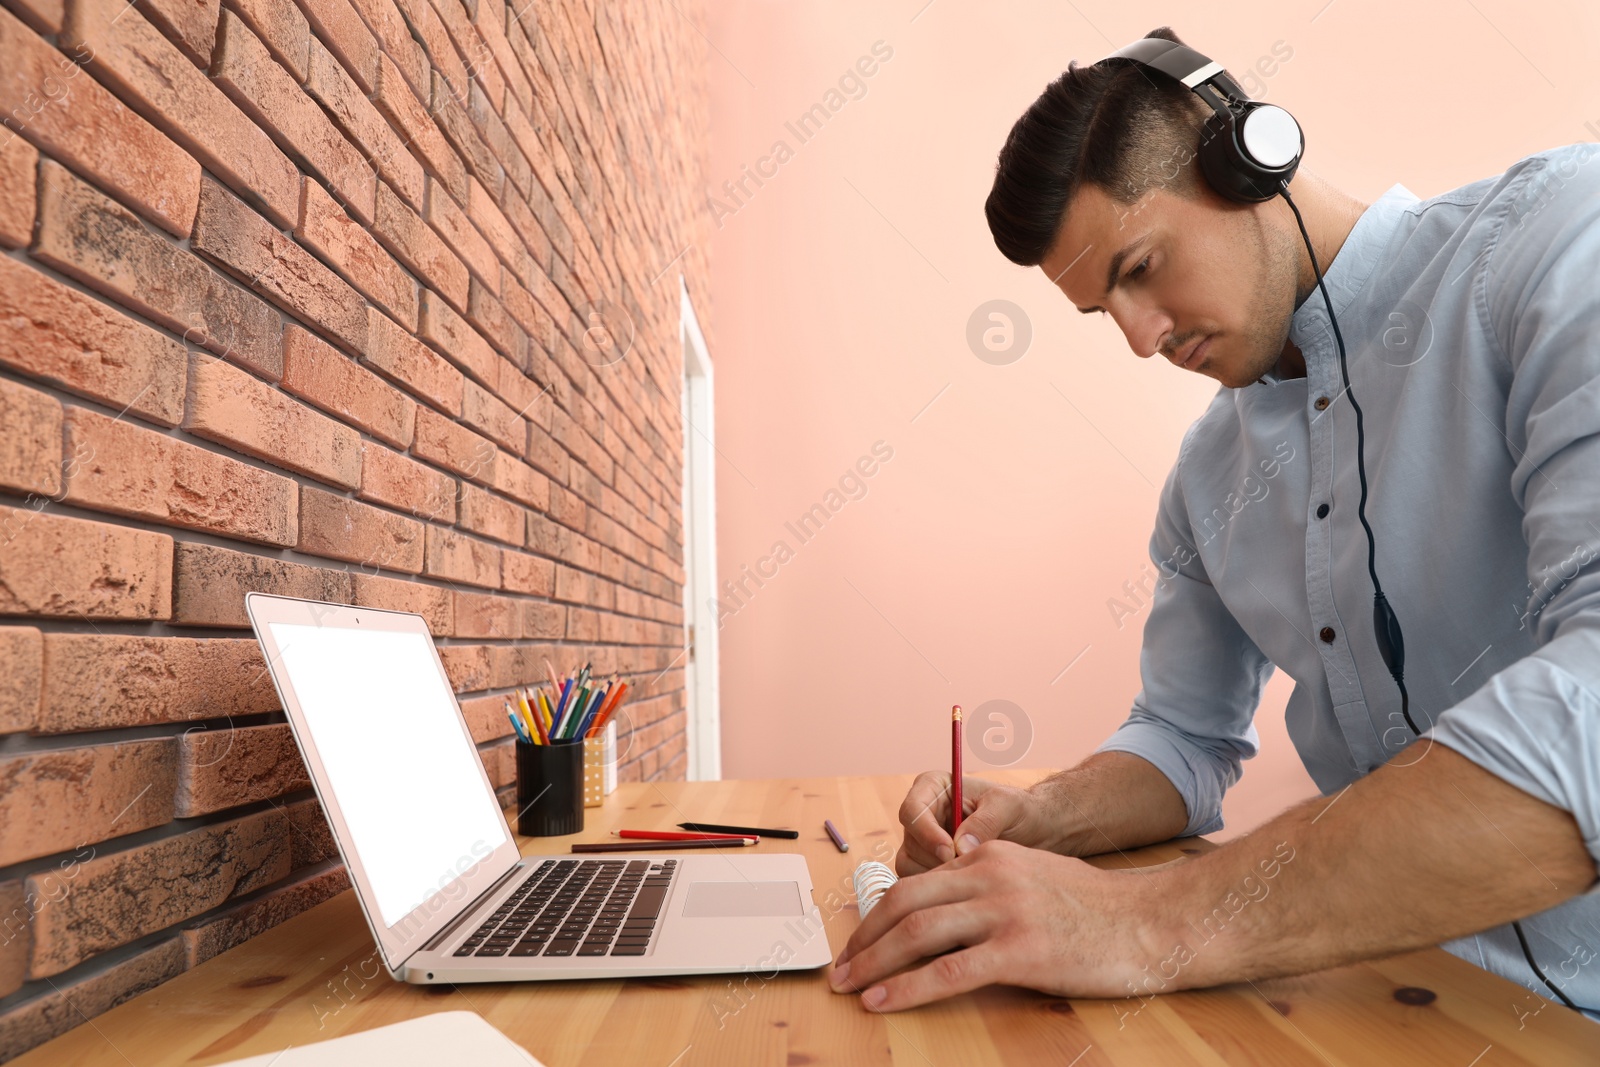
[1118, 125]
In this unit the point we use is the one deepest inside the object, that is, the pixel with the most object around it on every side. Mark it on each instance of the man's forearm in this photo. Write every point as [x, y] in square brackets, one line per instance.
[1111, 800]
[1427, 848]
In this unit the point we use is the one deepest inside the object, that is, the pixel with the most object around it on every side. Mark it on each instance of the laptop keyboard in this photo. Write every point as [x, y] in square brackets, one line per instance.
[577, 908]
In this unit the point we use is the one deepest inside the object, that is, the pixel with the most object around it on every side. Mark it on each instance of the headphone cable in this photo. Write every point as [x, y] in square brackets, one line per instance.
[1390, 644]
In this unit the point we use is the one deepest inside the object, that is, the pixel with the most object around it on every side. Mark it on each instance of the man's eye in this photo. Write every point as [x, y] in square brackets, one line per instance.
[1140, 269]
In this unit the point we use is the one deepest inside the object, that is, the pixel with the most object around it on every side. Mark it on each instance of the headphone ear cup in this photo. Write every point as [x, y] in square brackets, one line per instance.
[1230, 170]
[1225, 170]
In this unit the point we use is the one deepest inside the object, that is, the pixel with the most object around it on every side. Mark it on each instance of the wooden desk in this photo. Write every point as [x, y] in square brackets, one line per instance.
[272, 991]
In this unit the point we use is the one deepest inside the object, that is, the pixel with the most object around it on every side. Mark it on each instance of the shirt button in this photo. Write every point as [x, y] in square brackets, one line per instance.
[1326, 635]
[1322, 511]
[1321, 403]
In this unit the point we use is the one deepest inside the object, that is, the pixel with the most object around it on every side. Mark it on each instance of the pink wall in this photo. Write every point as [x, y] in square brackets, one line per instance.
[980, 560]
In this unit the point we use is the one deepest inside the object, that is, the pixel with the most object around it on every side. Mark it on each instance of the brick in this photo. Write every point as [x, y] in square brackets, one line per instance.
[545, 621]
[209, 584]
[123, 896]
[220, 769]
[521, 482]
[60, 567]
[486, 718]
[340, 29]
[416, 245]
[30, 449]
[459, 558]
[458, 232]
[131, 57]
[340, 528]
[189, 24]
[327, 378]
[495, 227]
[401, 358]
[362, 123]
[84, 795]
[267, 93]
[43, 15]
[490, 317]
[389, 478]
[446, 109]
[491, 515]
[452, 446]
[406, 113]
[467, 666]
[16, 913]
[486, 615]
[64, 112]
[66, 1005]
[349, 248]
[126, 470]
[228, 406]
[282, 28]
[490, 416]
[393, 37]
[244, 243]
[547, 455]
[103, 681]
[92, 238]
[311, 838]
[217, 933]
[524, 573]
[19, 166]
[21, 669]
[391, 594]
[62, 336]
[458, 342]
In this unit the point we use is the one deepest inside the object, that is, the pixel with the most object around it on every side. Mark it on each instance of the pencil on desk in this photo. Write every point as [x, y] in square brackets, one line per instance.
[955, 770]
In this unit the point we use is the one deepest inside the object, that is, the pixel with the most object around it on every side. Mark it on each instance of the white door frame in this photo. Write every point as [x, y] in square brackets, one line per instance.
[704, 726]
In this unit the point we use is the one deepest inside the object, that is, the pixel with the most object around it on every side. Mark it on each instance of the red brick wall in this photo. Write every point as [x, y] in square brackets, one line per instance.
[293, 297]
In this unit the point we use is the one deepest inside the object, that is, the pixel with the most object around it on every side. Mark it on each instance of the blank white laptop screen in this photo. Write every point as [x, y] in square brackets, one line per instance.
[405, 774]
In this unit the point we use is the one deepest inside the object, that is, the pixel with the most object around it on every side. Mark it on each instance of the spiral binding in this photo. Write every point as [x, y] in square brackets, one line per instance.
[873, 880]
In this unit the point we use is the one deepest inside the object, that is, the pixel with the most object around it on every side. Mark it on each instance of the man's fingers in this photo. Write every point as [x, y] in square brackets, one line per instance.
[899, 900]
[925, 812]
[920, 934]
[946, 976]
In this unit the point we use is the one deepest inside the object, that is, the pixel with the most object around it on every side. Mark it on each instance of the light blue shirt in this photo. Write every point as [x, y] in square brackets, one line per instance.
[1471, 324]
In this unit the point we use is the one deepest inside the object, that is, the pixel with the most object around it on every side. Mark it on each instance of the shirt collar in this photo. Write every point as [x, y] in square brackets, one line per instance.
[1348, 272]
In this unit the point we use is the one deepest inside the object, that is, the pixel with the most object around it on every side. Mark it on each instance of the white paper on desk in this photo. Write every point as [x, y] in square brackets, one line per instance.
[426, 1041]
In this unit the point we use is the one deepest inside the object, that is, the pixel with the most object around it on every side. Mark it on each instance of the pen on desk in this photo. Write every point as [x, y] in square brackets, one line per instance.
[955, 770]
[752, 831]
[661, 846]
[838, 840]
[673, 835]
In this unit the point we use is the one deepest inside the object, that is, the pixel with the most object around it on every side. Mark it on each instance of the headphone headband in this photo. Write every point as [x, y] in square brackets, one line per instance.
[1247, 148]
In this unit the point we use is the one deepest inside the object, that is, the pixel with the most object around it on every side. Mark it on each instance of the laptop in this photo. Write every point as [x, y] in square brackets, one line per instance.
[434, 864]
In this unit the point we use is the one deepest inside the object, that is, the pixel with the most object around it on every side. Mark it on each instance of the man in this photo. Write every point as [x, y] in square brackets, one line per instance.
[1471, 324]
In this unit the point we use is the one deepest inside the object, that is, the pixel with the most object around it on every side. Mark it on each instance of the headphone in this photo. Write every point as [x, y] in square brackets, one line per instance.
[1249, 152]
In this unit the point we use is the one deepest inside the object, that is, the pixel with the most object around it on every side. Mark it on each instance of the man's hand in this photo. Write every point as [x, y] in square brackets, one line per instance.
[989, 812]
[1013, 914]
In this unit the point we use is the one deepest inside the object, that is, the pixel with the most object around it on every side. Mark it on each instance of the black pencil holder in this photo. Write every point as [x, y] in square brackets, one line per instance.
[549, 789]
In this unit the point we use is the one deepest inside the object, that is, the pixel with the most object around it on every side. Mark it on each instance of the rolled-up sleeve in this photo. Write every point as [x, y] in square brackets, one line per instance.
[1202, 676]
[1536, 723]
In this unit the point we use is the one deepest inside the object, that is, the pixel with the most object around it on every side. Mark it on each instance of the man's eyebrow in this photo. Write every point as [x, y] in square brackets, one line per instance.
[1115, 268]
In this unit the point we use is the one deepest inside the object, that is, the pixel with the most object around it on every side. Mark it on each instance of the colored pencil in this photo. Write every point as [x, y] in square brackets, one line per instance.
[752, 831]
[955, 770]
[674, 835]
[660, 846]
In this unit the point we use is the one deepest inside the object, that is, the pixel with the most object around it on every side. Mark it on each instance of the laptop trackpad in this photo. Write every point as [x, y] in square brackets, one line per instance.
[716, 900]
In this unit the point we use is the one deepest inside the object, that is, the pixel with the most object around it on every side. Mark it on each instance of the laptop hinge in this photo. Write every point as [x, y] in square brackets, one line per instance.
[462, 916]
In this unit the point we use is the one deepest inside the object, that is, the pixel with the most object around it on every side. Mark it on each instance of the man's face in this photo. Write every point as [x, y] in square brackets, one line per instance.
[1203, 271]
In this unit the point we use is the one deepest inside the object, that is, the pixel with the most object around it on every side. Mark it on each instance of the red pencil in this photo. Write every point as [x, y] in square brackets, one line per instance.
[955, 770]
[676, 835]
